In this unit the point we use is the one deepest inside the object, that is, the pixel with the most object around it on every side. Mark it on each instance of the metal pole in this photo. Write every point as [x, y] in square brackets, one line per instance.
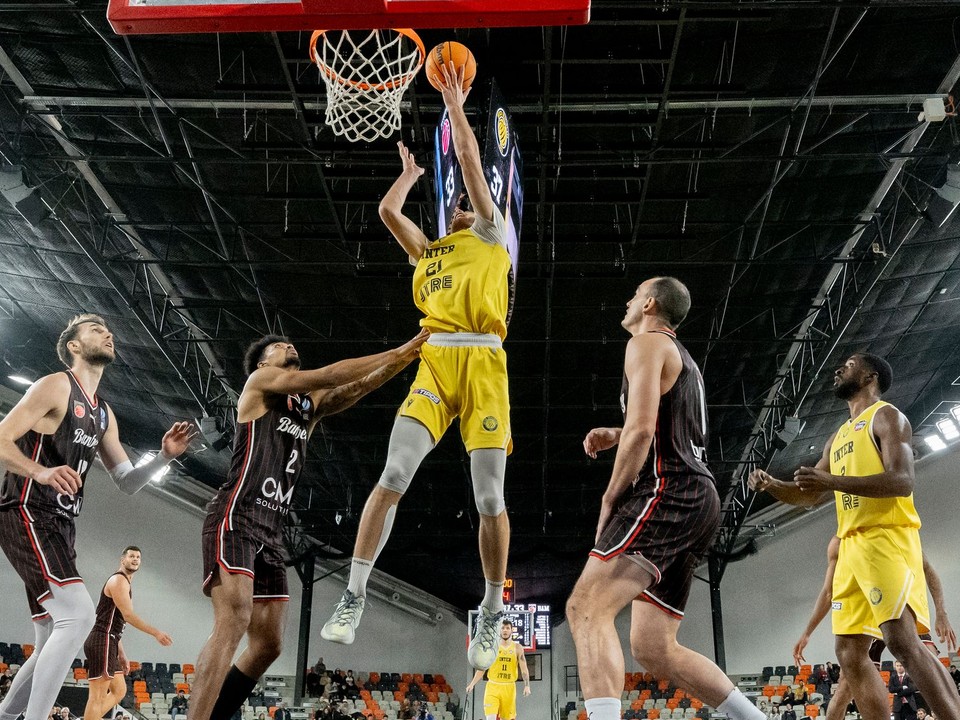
[716, 612]
[303, 642]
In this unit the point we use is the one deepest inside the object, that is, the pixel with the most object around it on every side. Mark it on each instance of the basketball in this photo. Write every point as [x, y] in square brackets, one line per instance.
[454, 54]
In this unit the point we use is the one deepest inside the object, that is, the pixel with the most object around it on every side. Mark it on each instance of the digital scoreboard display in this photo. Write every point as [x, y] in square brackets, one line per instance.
[540, 621]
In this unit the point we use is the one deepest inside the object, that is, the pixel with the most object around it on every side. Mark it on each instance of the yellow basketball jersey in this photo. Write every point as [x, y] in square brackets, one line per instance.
[854, 452]
[460, 284]
[504, 668]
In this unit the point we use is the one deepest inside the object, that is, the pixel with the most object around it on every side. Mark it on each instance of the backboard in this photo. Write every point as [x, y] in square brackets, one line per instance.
[151, 17]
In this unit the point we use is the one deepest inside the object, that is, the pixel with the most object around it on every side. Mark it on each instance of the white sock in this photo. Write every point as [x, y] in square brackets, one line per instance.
[493, 596]
[603, 708]
[737, 706]
[359, 573]
[15, 702]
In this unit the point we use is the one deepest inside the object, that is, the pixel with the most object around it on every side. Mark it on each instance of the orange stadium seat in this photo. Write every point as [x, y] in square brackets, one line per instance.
[271, 710]
[885, 676]
[418, 678]
[653, 713]
[79, 673]
[398, 696]
[663, 685]
[406, 677]
[636, 705]
[944, 660]
[183, 686]
[582, 715]
[648, 677]
[811, 688]
[28, 650]
[188, 669]
[673, 703]
[3, 666]
[440, 679]
[806, 669]
[695, 703]
[769, 691]
[812, 710]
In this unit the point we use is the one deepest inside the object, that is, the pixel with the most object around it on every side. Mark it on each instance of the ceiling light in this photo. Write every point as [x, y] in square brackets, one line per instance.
[935, 443]
[955, 411]
[948, 429]
[20, 380]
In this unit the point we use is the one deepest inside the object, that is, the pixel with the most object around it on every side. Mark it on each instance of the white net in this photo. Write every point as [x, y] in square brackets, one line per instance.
[366, 73]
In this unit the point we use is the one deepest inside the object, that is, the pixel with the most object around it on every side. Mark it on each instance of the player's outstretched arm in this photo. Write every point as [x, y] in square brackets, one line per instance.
[118, 590]
[791, 492]
[941, 623]
[130, 479]
[277, 381]
[407, 233]
[465, 143]
[44, 399]
[824, 601]
[893, 433]
[334, 400]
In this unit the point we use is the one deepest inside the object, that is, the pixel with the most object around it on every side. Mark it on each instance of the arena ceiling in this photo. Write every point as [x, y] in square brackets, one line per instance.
[767, 153]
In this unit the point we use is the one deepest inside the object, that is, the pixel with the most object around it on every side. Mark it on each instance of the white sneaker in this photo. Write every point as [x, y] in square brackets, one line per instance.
[342, 625]
[486, 637]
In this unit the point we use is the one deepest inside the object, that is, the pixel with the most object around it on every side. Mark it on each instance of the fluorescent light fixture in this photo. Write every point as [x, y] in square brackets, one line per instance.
[955, 411]
[20, 380]
[935, 443]
[948, 429]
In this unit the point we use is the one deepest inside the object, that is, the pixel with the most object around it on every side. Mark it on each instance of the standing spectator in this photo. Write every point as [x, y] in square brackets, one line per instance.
[320, 667]
[281, 712]
[904, 702]
[178, 706]
[833, 672]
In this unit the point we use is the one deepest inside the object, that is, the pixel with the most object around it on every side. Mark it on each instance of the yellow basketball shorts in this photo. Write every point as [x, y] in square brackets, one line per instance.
[879, 573]
[468, 382]
[500, 699]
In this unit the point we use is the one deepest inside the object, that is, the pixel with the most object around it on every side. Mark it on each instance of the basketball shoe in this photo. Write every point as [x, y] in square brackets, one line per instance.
[482, 651]
[342, 625]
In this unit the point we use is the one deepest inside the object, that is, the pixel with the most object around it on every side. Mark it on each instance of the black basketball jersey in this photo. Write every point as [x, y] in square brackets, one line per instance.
[109, 621]
[73, 444]
[679, 447]
[268, 455]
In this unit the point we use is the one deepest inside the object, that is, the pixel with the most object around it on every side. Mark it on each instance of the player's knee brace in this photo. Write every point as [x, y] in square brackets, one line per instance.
[396, 476]
[486, 468]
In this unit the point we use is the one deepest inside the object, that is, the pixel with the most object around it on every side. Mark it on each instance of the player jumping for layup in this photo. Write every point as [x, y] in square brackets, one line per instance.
[879, 589]
[47, 443]
[500, 694]
[106, 661]
[244, 572]
[460, 284]
[657, 519]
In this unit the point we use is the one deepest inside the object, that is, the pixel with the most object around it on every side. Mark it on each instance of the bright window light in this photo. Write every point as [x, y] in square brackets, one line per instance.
[955, 411]
[935, 443]
[948, 429]
[20, 380]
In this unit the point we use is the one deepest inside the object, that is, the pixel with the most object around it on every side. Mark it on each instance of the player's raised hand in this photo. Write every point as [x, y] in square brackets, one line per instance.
[451, 86]
[600, 439]
[409, 161]
[178, 439]
[64, 479]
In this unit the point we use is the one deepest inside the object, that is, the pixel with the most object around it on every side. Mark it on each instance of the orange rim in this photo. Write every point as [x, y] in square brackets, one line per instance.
[390, 84]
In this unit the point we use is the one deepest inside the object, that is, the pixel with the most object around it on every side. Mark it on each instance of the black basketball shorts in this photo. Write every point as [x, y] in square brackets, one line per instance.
[239, 551]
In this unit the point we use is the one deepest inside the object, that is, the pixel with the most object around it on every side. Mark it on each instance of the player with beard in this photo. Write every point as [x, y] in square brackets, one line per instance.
[106, 661]
[47, 444]
[879, 589]
[244, 571]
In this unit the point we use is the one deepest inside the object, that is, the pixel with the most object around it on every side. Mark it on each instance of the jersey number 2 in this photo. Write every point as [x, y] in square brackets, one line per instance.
[293, 458]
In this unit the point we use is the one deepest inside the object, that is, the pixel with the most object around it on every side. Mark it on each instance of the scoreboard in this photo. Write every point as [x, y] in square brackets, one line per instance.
[539, 622]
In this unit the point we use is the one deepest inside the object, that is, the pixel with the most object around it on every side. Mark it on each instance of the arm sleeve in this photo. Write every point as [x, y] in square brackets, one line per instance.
[492, 232]
[130, 479]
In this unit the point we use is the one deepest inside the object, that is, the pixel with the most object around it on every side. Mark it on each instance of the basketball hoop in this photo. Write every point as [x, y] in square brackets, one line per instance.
[366, 73]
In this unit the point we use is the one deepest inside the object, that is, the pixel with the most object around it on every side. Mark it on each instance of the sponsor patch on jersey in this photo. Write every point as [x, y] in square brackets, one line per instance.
[837, 605]
[427, 394]
[79, 410]
[305, 405]
[490, 423]
[103, 419]
[503, 131]
[445, 134]
[875, 596]
[860, 425]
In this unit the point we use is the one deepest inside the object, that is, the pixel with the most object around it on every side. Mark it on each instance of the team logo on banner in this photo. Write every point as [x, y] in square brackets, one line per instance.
[503, 131]
[445, 135]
